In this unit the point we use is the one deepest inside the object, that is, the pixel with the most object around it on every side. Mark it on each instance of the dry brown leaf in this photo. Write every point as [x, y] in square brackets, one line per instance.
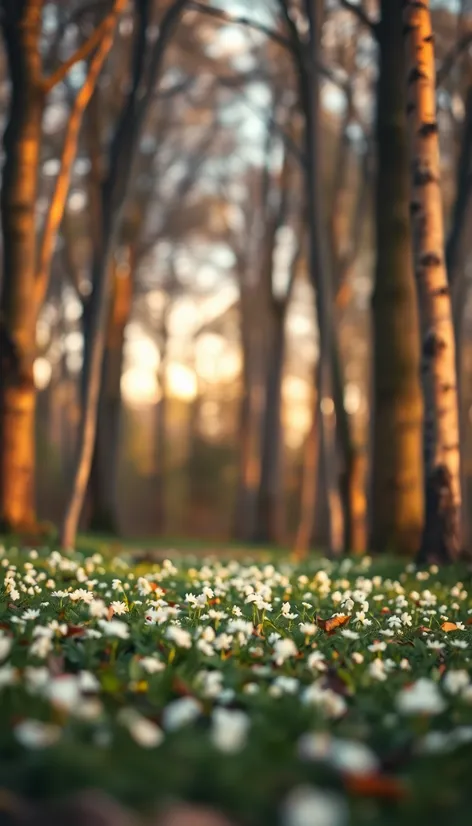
[449, 626]
[331, 624]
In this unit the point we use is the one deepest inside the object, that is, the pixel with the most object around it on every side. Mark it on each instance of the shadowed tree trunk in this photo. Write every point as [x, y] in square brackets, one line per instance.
[26, 267]
[309, 487]
[270, 525]
[252, 413]
[397, 500]
[442, 534]
[319, 274]
[103, 514]
[18, 312]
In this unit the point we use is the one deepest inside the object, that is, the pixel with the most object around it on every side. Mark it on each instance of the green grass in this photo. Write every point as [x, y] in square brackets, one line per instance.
[266, 714]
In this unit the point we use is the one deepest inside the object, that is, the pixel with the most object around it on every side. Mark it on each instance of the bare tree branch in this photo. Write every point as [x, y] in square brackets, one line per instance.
[84, 50]
[361, 15]
[274, 35]
[452, 56]
[58, 201]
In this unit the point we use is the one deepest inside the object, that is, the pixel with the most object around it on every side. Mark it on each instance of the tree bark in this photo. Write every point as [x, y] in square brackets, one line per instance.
[442, 533]
[18, 310]
[309, 488]
[252, 414]
[396, 482]
[270, 525]
[103, 513]
[319, 275]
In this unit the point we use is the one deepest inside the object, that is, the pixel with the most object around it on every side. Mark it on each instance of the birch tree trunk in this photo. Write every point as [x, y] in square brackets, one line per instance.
[442, 534]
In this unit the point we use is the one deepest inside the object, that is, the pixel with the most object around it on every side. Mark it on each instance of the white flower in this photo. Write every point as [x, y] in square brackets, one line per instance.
[41, 647]
[422, 697]
[394, 622]
[283, 649]
[377, 646]
[114, 628]
[64, 692]
[36, 678]
[180, 712]
[333, 705]
[30, 614]
[119, 607]
[357, 657]
[145, 733]
[308, 628]
[343, 755]
[377, 670]
[8, 675]
[88, 682]
[435, 645]
[317, 661]
[405, 664]
[223, 642]
[284, 685]
[179, 636]
[308, 806]
[5, 646]
[152, 665]
[229, 730]
[348, 604]
[33, 734]
[459, 644]
[81, 595]
[406, 619]
[455, 681]
[97, 608]
[350, 635]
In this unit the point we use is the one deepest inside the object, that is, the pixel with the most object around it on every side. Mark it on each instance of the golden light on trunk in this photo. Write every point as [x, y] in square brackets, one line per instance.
[442, 539]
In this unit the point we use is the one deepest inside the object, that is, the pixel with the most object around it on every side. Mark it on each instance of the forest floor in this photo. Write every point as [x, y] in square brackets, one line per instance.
[327, 694]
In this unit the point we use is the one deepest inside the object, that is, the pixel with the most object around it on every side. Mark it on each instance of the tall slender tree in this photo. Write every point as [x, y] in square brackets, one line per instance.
[442, 534]
[396, 482]
[26, 256]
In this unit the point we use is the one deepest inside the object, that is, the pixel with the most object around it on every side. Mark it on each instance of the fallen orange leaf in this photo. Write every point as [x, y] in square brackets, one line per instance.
[331, 624]
[375, 785]
[449, 626]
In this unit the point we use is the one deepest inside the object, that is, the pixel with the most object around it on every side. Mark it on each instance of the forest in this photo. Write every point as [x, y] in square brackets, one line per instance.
[235, 409]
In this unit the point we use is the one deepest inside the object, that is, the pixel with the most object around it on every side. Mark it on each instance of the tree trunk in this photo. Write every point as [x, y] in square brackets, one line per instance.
[161, 430]
[442, 533]
[352, 482]
[270, 523]
[252, 412]
[18, 310]
[309, 488]
[318, 263]
[397, 499]
[103, 514]
[122, 163]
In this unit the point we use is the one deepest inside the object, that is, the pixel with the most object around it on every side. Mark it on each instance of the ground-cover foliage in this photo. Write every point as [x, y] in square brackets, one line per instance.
[333, 694]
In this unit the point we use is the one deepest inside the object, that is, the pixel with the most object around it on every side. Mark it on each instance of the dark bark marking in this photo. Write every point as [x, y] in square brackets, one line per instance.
[431, 259]
[441, 540]
[415, 207]
[426, 129]
[415, 75]
[423, 177]
[433, 345]
[410, 107]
